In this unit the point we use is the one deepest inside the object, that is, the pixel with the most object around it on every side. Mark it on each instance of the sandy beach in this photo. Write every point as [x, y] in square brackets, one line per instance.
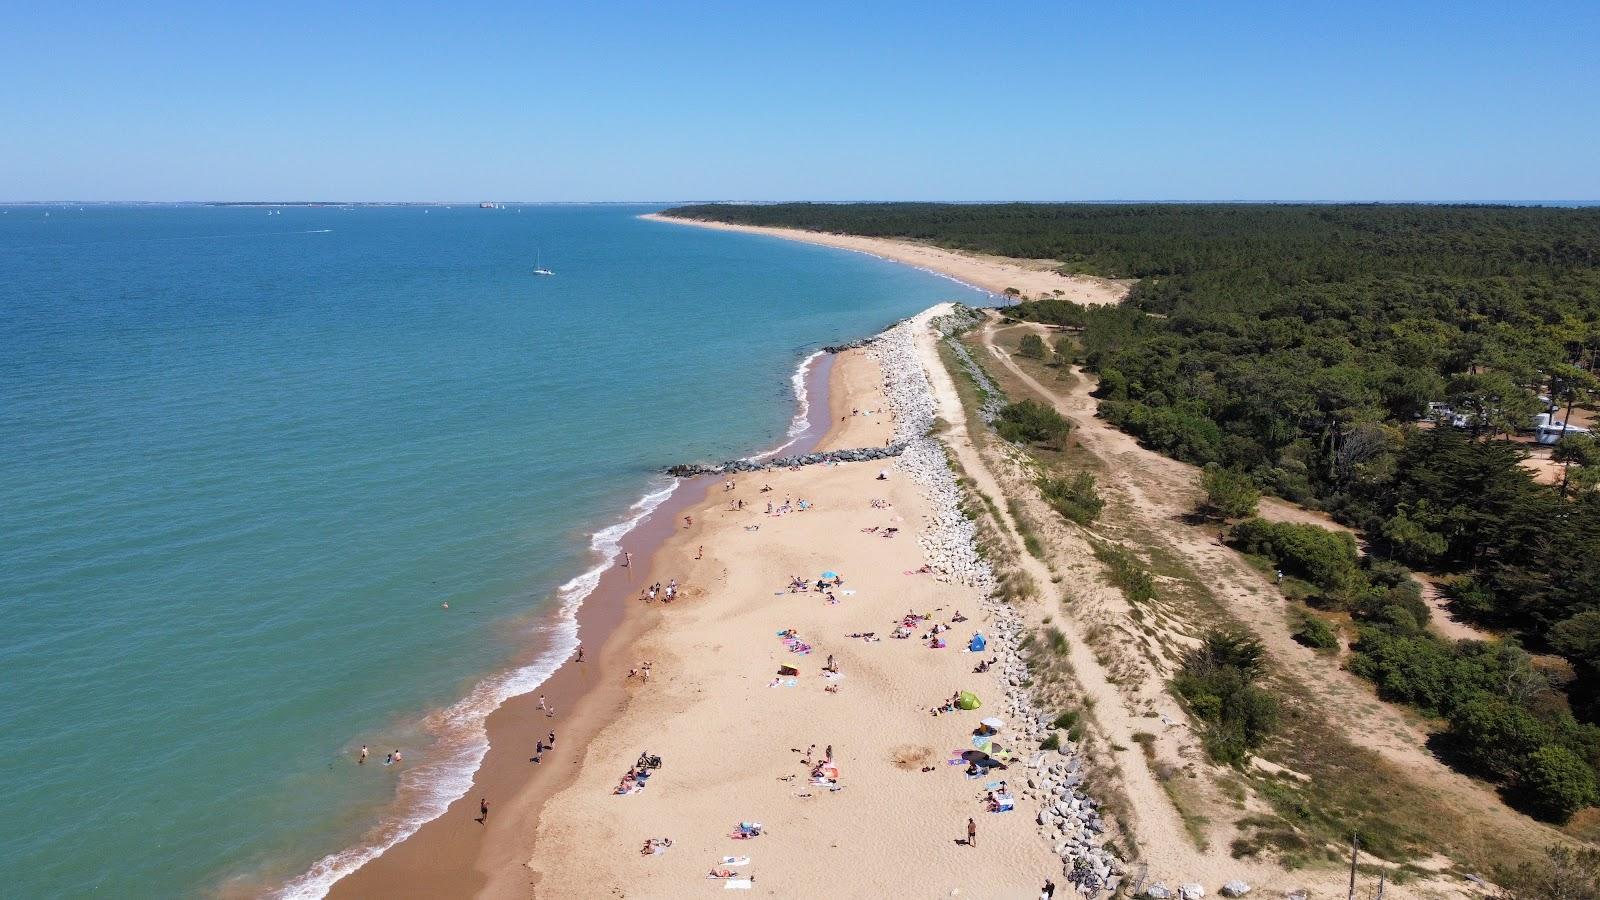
[732, 733]
[1032, 278]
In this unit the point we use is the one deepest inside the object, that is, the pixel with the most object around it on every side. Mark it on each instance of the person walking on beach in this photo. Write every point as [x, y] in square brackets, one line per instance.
[483, 810]
[700, 551]
[972, 833]
[687, 521]
[363, 760]
[627, 559]
[551, 741]
[580, 653]
[541, 702]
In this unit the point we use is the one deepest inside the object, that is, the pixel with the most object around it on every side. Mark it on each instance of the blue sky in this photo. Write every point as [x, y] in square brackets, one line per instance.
[753, 100]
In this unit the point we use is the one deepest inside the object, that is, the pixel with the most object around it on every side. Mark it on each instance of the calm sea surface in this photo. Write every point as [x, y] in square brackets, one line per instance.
[245, 457]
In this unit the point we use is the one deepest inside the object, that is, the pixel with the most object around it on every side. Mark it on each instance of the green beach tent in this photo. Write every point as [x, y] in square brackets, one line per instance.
[967, 700]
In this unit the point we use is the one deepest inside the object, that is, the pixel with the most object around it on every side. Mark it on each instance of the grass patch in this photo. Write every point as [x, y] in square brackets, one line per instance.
[1126, 572]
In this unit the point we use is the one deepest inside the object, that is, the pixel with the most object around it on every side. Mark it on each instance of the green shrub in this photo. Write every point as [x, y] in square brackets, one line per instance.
[1052, 741]
[1217, 681]
[1327, 559]
[1066, 719]
[1316, 634]
[1031, 422]
[1078, 499]
[1230, 494]
[1558, 783]
[1126, 573]
[1032, 346]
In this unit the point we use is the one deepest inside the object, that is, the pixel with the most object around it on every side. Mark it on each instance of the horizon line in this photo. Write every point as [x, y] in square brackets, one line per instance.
[746, 202]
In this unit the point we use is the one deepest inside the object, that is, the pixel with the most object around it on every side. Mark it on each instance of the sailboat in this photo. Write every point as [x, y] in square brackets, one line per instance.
[540, 269]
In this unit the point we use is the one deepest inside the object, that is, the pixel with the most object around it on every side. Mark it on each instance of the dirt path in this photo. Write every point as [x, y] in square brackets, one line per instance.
[1443, 620]
[1163, 841]
[1159, 492]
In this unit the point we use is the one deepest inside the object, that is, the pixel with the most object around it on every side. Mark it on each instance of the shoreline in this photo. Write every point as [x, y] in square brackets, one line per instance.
[730, 734]
[606, 624]
[1034, 279]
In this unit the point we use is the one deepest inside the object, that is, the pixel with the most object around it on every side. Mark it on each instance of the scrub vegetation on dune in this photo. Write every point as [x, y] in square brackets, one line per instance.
[1297, 349]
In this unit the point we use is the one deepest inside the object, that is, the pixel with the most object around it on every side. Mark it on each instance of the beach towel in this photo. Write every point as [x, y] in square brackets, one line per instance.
[738, 884]
[736, 860]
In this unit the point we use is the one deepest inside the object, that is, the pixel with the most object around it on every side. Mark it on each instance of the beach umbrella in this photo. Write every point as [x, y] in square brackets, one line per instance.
[968, 700]
[830, 574]
[992, 722]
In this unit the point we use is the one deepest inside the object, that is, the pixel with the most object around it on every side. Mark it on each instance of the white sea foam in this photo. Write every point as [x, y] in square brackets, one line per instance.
[461, 740]
[802, 408]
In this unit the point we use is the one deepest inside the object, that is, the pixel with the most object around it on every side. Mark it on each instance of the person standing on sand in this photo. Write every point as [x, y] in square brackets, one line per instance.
[972, 833]
[483, 810]
[541, 702]
[627, 559]
[363, 760]
[700, 551]
[551, 741]
[580, 653]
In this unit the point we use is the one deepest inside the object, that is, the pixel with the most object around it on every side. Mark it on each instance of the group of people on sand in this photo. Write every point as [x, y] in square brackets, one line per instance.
[667, 594]
[539, 748]
[638, 774]
[641, 671]
[799, 504]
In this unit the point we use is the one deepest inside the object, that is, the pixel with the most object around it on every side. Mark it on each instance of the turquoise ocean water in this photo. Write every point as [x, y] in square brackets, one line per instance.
[244, 457]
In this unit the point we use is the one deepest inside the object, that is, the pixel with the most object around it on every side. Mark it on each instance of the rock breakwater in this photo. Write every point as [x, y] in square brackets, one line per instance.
[1069, 820]
[859, 454]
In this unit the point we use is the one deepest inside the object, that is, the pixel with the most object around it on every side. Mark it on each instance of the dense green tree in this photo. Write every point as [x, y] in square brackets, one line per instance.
[1308, 347]
[1229, 493]
[1032, 346]
[1558, 782]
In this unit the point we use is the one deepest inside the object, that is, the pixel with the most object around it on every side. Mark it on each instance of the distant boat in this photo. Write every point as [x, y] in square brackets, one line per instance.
[541, 270]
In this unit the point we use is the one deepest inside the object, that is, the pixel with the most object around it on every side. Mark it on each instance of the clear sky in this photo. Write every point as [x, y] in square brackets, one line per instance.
[1064, 100]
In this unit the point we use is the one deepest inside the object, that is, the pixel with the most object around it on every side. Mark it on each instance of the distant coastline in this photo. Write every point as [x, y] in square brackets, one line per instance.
[1002, 276]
